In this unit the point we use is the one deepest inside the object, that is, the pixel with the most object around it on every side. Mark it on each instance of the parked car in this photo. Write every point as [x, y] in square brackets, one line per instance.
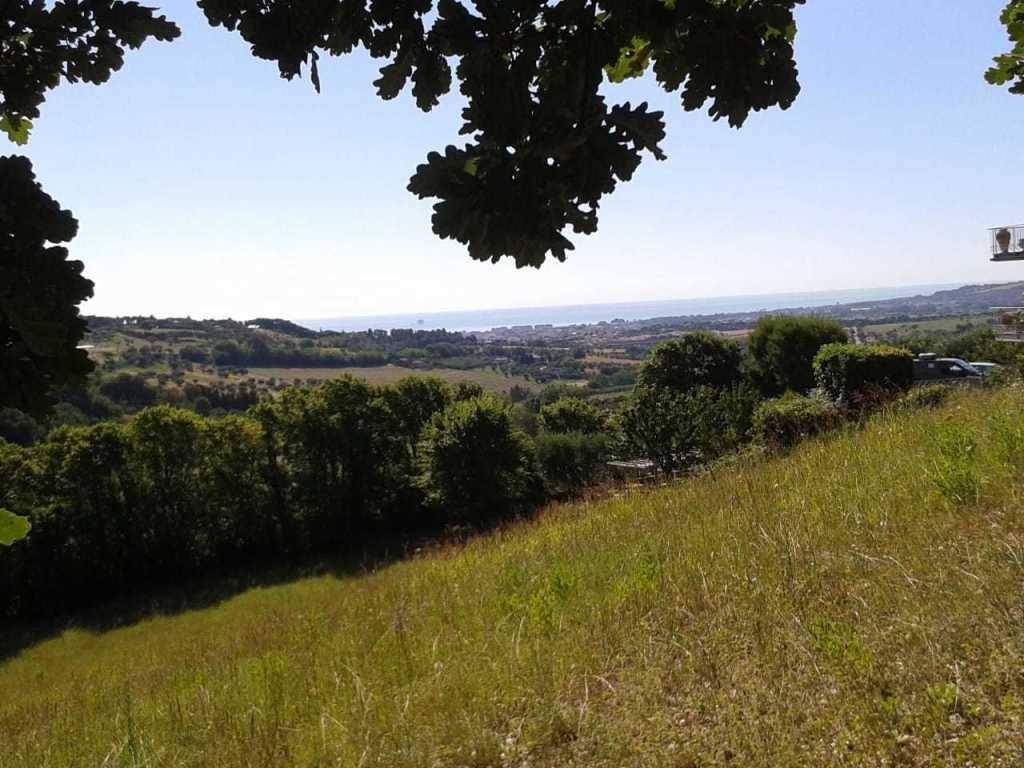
[930, 367]
[985, 368]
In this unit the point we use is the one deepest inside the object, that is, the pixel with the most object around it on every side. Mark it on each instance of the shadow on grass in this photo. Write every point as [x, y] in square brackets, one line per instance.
[146, 601]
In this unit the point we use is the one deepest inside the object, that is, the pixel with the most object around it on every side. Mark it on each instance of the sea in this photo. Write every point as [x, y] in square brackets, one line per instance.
[586, 314]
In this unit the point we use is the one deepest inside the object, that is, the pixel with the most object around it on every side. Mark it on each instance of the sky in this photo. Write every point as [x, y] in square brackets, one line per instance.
[207, 186]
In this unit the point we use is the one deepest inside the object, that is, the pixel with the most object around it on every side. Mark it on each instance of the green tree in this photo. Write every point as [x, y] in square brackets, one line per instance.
[695, 360]
[783, 350]
[413, 401]
[546, 145]
[40, 290]
[568, 415]
[677, 430]
[569, 462]
[475, 466]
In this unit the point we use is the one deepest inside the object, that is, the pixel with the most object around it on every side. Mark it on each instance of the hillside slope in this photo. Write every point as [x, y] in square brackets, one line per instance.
[856, 603]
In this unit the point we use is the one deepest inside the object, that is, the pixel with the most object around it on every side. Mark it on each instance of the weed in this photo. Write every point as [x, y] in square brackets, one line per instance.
[955, 471]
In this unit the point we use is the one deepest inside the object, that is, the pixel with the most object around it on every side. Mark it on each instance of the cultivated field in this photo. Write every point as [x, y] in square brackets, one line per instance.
[938, 324]
[857, 603]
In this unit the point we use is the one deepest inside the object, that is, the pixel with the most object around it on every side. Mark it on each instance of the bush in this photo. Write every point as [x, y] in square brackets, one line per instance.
[681, 429]
[695, 360]
[570, 462]
[569, 415]
[781, 423]
[844, 370]
[783, 350]
[476, 467]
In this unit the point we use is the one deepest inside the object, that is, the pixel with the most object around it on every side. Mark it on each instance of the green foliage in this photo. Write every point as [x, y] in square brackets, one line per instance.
[475, 466]
[413, 402]
[19, 428]
[40, 290]
[828, 593]
[676, 430]
[17, 130]
[568, 415]
[12, 527]
[695, 360]
[129, 389]
[846, 370]
[1009, 67]
[570, 461]
[168, 494]
[783, 350]
[955, 468]
[343, 455]
[546, 145]
[76, 41]
[783, 422]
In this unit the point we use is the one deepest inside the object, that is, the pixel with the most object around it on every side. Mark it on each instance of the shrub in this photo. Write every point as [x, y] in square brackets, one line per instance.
[783, 350]
[681, 429]
[570, 462]
[695, 360]
[475, 466]
[568, 415]
[844, 370]
[785, 421]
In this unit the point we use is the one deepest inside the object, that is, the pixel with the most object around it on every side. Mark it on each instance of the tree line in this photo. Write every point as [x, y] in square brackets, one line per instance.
[168, 494]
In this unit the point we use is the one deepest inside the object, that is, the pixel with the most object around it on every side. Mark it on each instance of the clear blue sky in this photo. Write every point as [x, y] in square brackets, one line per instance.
[205, 185]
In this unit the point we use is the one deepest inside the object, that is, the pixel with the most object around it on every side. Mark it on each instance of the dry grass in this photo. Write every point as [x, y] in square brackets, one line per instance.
[834, 607]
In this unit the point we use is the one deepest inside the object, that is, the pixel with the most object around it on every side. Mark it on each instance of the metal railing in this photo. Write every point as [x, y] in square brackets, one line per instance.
[1007, 243]
[1009, 325]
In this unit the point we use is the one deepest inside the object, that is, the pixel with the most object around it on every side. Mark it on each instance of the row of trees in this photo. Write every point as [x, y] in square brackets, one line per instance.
[169, 494]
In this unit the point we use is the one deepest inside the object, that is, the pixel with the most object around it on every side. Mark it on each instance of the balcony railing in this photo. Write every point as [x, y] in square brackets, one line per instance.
[1009, 325]
[1007, 243]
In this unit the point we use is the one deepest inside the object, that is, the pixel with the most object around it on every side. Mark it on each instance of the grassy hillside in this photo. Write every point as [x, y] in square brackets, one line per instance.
[857, 603]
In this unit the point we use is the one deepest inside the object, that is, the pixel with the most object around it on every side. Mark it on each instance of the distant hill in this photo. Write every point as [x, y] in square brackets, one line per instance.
[969, 298]
[286, 327]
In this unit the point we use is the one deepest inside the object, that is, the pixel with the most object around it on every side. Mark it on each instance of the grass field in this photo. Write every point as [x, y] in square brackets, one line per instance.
[857, 603]
[938, 324]
[487, 378]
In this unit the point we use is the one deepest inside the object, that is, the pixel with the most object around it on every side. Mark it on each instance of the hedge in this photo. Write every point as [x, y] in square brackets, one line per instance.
[845, 370]
[784, 421]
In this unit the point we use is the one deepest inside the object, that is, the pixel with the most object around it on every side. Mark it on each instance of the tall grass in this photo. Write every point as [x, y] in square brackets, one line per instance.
[844, 605]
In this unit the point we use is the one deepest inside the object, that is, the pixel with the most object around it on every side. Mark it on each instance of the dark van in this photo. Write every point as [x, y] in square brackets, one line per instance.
[930, 367]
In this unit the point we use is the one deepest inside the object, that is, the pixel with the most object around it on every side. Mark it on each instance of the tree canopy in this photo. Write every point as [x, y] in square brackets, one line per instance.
[40, 290]
[545, 144]
[40, 43]
[783, 350]
[695, 360]
[1009, 67]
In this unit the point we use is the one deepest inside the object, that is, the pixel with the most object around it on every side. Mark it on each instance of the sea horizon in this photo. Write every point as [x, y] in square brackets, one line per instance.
[588, 314]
